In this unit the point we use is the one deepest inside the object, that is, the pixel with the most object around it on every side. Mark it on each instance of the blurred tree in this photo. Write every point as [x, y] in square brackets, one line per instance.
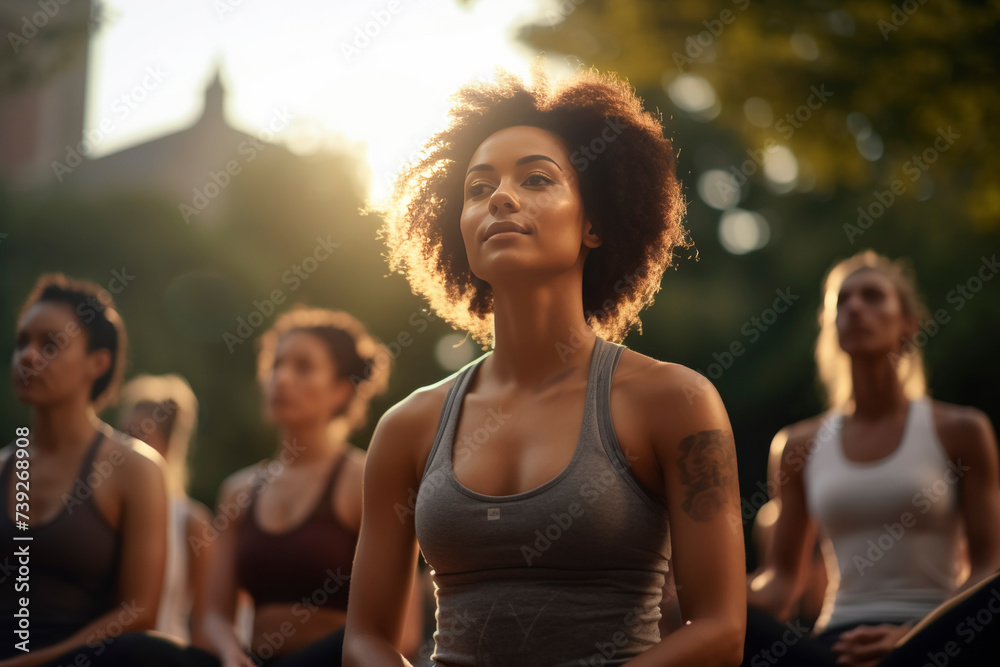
[907, 70]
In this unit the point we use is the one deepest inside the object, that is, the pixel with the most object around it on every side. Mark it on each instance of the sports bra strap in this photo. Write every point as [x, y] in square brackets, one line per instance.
[323, 507]
[88, 459]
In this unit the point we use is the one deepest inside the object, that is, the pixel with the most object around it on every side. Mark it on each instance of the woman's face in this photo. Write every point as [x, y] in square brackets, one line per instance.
[870, 317]
[303, 387]
[145, 423]
[51, 364]
[522, 209]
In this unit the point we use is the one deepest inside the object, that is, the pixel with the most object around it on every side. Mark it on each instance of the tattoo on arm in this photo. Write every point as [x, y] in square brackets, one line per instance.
[708, 467]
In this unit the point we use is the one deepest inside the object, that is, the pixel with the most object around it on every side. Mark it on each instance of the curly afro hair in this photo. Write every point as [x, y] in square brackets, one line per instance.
[628, 187]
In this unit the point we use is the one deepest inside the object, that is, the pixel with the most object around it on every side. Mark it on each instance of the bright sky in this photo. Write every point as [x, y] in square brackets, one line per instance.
[384, 96]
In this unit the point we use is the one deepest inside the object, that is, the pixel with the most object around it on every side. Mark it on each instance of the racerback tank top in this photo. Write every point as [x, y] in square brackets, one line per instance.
[892, 524]
[568, 573]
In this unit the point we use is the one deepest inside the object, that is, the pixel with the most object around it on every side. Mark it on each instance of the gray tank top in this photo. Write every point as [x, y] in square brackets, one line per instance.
[568, 573]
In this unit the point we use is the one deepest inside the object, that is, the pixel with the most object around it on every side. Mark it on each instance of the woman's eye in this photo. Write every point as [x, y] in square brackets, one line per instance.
[537, 179]
[475, 189]
[873, 296]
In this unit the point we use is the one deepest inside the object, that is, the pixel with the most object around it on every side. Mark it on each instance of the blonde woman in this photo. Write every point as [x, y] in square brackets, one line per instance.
[162, 411]
[888, 477]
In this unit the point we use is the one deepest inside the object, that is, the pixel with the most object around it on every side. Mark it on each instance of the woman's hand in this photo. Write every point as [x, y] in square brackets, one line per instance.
[865, 645]
[237, 659]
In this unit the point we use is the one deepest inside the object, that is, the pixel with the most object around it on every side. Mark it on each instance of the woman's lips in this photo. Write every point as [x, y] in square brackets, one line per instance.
[503, 227]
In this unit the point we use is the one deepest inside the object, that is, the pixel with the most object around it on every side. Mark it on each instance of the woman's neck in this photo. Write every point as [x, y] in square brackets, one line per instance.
[305, 444]
[540, 330]
[64, 426]
[877, 389]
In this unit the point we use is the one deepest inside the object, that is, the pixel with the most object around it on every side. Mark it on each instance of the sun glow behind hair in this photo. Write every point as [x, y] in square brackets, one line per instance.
[371, 76]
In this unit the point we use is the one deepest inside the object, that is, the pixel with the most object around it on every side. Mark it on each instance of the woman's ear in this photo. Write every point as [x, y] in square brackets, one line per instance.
[590, 237]
[343, 393]
[98, 363]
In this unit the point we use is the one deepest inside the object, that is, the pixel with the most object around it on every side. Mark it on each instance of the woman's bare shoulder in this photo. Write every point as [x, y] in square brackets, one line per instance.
[406, 431]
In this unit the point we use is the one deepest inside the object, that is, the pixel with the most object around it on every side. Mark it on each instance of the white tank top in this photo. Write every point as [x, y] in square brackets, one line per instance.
[890, 528]
[175, 602]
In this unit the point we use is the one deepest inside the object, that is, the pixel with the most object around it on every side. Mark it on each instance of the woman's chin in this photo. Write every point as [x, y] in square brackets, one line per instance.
[517, 267]
[30, 395]
[868, 351]
[280, 415]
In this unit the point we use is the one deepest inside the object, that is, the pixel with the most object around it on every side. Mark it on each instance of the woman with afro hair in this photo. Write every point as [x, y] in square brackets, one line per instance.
[546, 481]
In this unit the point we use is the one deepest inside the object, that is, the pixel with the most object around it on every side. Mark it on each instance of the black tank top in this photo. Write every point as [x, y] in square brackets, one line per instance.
[73, 563]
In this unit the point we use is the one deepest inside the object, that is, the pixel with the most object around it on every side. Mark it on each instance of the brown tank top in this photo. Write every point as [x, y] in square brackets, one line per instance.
[309, 564]
[73, 563]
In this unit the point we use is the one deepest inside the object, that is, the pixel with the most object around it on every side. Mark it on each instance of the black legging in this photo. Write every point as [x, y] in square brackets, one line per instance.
[131, 648]
[138, 648]
[964, 631]
[790, 644]
[960, 633]
[328, 651]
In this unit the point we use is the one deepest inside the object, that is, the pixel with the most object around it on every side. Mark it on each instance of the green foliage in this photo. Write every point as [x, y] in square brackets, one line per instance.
[911, 67]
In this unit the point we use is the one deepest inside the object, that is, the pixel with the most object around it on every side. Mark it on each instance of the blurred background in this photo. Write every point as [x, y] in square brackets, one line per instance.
[192, 156]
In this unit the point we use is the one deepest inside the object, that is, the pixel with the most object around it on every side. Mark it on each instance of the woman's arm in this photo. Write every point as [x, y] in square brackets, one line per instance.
[221, 588]
[670, 611]
[779, 585]
[139, 481]
[384, 565]
[972, 444]
[693, 444]
[413, 626]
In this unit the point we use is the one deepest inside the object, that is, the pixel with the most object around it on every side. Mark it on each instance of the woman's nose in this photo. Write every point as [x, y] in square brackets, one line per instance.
[504, 200]
[30, 356]
[853, 304]
[279, 377]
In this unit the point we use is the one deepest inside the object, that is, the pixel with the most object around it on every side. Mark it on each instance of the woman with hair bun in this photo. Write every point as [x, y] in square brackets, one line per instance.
[549, 482]
[90, 500]
[291, 522]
